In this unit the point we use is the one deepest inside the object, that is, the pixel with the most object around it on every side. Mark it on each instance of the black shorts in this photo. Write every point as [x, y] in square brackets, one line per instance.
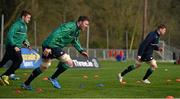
[146, 58]
[55, 52]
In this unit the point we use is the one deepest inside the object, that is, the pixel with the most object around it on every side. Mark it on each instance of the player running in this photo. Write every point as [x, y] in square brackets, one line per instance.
[52, 47]
[16, 39]
[145, 54]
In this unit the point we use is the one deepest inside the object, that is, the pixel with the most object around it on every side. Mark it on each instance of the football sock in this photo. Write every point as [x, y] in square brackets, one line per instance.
[34, 74]
[61, 68]
[130, 68]
[148, 73]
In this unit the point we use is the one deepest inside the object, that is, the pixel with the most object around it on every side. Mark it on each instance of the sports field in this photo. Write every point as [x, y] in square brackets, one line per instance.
[99, 83]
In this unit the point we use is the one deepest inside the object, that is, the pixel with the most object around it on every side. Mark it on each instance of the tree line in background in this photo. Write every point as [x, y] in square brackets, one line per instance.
[115, 17]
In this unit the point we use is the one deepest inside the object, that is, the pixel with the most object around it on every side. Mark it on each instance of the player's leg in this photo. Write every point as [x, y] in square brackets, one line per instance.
[4, 80]
[8, 55]
[46, 63]
[64, 64]
[129, 69]
[60, 69]
[36, 72]
[153, 66]
[17, 59]
[6, 58]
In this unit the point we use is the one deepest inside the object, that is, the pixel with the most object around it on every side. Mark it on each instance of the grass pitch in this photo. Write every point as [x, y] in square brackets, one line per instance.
[99, 83]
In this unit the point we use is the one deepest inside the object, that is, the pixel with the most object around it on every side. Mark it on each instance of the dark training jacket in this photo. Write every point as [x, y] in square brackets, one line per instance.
[149, 44]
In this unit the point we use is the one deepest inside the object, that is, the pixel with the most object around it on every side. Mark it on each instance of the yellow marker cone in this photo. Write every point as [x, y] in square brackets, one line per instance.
[85, 77]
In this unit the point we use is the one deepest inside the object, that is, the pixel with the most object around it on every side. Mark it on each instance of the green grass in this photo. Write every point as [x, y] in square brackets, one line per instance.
[72, 78]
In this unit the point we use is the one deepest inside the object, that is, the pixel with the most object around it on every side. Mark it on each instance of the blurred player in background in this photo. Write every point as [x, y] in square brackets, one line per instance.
[16, 39]
[65, 34]
[145, 54]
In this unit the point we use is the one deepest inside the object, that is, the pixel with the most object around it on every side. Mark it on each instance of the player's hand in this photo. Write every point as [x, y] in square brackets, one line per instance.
[47, 52]
[138, 57]
[16, 49]
[30, 48]
[161, 49]
[85, 54]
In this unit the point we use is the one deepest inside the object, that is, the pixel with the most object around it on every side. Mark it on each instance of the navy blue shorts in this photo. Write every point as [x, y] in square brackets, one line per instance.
[55, 53]
[146, 58]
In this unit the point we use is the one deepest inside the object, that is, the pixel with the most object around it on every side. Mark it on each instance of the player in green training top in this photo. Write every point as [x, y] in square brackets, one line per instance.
[16, 39]
[65, 34]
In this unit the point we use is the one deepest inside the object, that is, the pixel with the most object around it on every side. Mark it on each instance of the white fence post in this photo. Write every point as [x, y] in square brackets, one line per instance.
[2, 36]
[95, 53]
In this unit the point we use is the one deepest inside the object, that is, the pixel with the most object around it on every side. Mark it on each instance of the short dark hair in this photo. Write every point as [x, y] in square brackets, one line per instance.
[83, 18]
[25, 13]
[161, 26]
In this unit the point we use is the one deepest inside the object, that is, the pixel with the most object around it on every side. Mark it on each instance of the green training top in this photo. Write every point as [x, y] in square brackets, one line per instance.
[17, 34]
[65, 34]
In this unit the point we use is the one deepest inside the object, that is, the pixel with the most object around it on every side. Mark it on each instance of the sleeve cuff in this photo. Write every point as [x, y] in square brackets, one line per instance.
[81, 51]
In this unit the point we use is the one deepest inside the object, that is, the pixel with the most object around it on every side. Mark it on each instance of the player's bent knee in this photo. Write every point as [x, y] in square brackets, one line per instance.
[153, 64]
[65, 58]
[153, 67]
[70, 63]
[138, 64]
[43, 68]
[45, 65]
